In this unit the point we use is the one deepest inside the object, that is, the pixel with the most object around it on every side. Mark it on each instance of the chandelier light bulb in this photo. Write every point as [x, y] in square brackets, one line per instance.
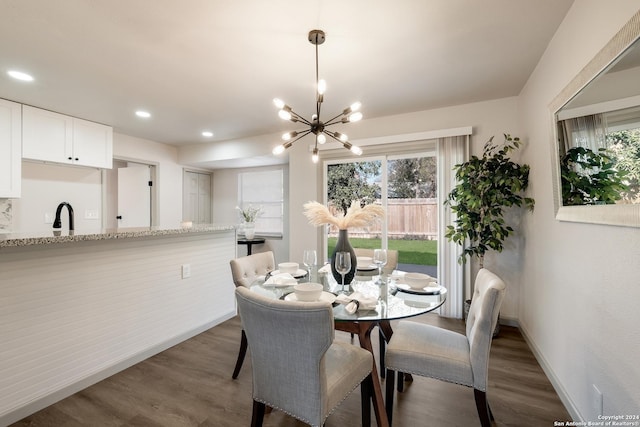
[279, 103]
[321, 139]
[287, 136]
[356, 150]
[341, 136]
[322, 86]
[278, 149]
[315, 157]
[355, 106]
[284, 115]
[355, 117]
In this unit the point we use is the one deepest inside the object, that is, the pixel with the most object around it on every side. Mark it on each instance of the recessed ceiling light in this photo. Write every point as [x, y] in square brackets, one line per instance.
[19, 75]
[143, 114]
[207, 133]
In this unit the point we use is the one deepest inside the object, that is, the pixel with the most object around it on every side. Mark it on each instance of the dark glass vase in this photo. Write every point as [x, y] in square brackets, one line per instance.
[343, 245]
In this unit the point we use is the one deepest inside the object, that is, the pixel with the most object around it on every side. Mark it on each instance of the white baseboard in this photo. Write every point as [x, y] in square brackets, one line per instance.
[509, 321]
[555, 381]
[50, 399]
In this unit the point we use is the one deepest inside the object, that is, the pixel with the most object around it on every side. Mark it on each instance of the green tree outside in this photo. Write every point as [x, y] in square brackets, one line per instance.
[353, 181]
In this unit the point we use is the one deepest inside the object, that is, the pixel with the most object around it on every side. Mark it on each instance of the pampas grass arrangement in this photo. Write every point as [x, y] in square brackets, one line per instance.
[356, 216]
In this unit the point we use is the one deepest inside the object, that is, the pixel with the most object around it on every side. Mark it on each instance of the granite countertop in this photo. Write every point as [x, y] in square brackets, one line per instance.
[44, 238]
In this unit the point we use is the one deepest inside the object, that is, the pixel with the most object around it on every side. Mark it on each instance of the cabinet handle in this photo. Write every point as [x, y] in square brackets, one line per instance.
[70, 158]
[77, 159]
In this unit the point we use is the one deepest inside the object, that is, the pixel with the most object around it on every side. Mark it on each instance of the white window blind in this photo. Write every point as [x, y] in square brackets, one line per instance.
[264, 189]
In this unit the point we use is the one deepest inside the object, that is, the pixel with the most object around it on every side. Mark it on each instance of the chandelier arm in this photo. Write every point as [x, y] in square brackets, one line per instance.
[302, 135]
[330, 123]
[300, 118]
[331, 120]
[344, 143]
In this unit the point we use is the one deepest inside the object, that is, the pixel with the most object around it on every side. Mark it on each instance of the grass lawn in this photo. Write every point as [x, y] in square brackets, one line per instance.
[419, 252]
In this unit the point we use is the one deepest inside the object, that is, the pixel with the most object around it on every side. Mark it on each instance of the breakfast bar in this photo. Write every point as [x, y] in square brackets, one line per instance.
[79, 308]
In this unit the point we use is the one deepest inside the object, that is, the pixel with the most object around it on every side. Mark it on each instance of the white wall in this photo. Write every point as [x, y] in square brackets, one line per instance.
[169, 173]
[580, 286]
[44, 186]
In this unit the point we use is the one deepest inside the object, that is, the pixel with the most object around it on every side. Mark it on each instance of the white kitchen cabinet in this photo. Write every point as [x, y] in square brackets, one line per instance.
[10, 148]
[55, 137]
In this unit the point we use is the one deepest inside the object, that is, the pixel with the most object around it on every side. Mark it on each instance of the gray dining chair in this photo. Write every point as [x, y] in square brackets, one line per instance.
[297, 366]
[449, 356]
[244, 271]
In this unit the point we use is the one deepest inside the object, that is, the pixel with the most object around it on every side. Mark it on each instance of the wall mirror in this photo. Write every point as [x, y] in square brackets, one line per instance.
[596, 145]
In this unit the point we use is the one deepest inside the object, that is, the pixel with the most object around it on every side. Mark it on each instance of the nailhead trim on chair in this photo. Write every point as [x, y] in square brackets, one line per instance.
[325, 418]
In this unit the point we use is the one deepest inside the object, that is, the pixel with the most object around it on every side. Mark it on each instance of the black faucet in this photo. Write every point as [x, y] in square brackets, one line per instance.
[57, 223]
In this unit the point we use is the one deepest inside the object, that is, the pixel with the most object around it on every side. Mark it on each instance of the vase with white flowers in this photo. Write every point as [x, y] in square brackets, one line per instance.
[356, 216]
[248, 217]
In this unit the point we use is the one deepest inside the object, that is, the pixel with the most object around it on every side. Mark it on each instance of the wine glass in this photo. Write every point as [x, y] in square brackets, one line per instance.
[380, 259]
[309, 259]
[343, 265]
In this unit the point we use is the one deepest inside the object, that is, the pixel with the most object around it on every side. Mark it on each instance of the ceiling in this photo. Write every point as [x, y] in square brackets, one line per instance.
[217, 64]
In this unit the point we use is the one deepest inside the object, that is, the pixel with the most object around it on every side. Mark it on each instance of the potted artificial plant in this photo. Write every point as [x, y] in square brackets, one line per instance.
[486, 186]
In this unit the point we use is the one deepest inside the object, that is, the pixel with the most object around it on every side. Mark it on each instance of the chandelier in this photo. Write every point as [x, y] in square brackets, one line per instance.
[316, 126]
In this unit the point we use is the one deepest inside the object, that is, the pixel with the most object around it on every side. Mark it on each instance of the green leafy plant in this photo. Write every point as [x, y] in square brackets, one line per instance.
[486, 186]
[249, 214]
[590, 177]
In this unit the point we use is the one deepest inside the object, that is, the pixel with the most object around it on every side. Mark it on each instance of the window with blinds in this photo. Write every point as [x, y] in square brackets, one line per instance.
[264, 190]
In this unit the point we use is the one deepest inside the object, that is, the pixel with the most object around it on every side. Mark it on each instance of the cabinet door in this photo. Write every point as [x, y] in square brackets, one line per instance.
[92, 144]
[10, 148]
[46, 135]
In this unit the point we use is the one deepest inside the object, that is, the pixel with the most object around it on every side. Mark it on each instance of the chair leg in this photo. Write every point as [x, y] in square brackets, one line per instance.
[400, 382]
[258, 414]
[389, 394]
[241, 354]
[366, 395]
[483, 407]
[383, 342]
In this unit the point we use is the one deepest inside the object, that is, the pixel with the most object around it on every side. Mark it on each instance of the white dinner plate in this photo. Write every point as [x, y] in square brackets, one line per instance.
[429, 290]
[297, 275]
[367, 267]
[279, 285]
[324, 296]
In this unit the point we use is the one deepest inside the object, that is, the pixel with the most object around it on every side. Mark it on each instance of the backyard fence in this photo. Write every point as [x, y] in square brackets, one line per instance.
[406, 218]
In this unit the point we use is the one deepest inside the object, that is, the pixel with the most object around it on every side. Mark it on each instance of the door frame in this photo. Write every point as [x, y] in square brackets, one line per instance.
[110, 195]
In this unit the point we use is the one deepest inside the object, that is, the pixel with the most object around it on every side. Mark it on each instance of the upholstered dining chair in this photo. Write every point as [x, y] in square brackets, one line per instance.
[297, 366]
[445, 355]
[244, 271]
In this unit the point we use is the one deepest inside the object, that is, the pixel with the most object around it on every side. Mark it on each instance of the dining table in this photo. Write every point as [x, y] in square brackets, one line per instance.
[387, 298]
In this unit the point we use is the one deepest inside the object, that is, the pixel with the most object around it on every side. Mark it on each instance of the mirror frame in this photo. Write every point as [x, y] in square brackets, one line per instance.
[622, 215]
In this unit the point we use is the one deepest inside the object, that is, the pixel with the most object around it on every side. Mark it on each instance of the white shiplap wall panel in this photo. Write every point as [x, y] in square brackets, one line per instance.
[70, 311]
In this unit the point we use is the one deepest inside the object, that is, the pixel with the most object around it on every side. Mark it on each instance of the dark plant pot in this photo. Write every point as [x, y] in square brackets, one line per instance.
[467, 306]
[343, 245]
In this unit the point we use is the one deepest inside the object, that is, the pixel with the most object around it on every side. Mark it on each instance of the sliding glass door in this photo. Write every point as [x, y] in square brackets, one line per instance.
[406, 185]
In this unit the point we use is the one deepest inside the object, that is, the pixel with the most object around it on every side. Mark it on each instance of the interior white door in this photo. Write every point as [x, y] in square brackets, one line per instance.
[134, 197]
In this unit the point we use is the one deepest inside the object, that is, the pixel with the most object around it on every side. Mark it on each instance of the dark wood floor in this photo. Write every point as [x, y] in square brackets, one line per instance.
[190, 385]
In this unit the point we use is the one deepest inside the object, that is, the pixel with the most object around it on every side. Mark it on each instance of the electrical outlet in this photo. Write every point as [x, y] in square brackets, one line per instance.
[91, 214]
[597, 400]
[186, 271]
